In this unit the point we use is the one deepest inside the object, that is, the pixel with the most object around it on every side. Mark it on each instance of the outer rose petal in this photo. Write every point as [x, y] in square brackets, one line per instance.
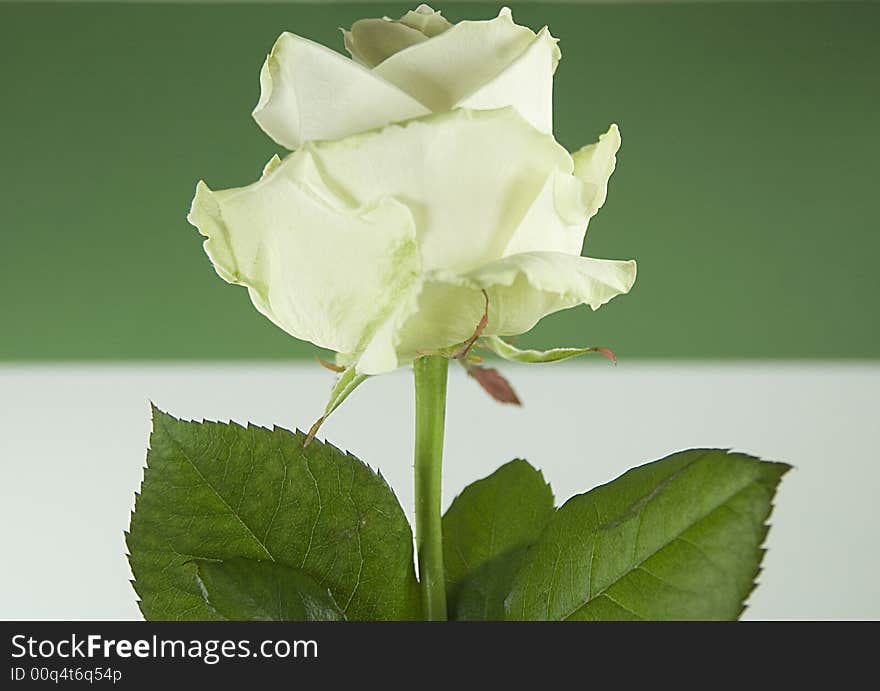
[593, 165]
[469, 177]
[526, 84]
[557, 220]
[319, 268]
[308, 91]
[451, 66]
[523, 288]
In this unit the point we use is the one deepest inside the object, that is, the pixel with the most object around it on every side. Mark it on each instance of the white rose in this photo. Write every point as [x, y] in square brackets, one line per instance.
[425, 181]
[405, 69]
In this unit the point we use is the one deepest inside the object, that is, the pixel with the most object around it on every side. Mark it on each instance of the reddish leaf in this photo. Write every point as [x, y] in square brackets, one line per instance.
[494, 383]
[607, 352]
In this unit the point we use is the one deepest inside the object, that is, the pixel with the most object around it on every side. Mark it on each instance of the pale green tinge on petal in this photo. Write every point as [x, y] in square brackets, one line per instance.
[308, 92]
[593, 165]
[526, 84]
[470, 177]
[451, 66]
[505, 350]
[321, 269]
[522, 289]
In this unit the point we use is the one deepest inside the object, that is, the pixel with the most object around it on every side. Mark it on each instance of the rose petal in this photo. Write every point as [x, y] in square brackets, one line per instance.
[526, 84]
[593, 165]
[557, 220]
[427, 20]
[544, 227]
[469, 176]
[451, 66]
[308, 92]
[321, 269]
[370, 41]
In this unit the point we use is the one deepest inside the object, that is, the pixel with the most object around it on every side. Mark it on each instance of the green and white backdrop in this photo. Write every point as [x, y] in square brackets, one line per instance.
[746, 188]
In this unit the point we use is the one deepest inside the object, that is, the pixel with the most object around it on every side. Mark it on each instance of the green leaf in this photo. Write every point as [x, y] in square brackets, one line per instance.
[486, 532]
[217, 491]
[679, 538]
[250, 590]
[505, 350]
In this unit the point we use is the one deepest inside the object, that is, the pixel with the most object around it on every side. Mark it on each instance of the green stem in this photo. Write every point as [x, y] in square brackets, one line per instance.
[430, 374]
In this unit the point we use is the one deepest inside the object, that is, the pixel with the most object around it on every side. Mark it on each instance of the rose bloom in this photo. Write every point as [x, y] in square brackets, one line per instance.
[425, 183]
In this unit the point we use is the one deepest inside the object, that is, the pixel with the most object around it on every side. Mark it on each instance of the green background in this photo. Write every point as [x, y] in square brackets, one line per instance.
[746, 186]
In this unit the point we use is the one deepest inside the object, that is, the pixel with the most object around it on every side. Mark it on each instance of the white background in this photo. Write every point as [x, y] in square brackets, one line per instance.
[73, 440]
